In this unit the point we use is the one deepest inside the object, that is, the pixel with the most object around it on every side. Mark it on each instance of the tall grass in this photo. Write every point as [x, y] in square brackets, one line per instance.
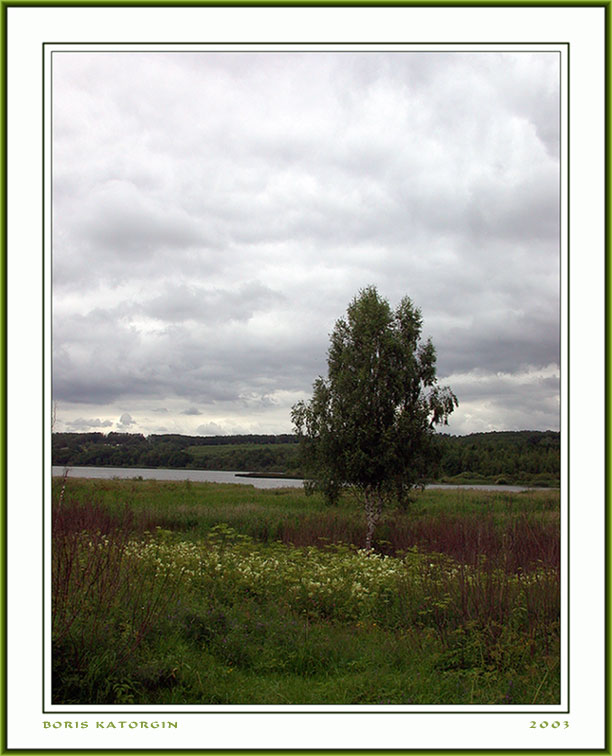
[203, 593]
[513, 530]
[98, 592]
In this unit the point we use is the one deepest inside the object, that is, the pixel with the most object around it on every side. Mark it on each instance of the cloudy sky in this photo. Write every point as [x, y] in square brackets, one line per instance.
[215, 213]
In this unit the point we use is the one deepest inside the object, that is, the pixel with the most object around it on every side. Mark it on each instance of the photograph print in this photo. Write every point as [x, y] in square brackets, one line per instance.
[306, 366]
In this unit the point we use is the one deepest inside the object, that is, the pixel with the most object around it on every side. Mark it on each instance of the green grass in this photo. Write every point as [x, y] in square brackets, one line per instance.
[535, 480]
[205, 593]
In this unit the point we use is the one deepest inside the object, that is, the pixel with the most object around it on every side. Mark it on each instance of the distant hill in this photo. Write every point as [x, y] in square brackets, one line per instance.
[260, 453]
[503, 456]
[499, 456]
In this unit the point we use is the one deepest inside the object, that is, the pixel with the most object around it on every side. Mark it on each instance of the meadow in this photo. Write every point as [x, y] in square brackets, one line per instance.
[202, 593]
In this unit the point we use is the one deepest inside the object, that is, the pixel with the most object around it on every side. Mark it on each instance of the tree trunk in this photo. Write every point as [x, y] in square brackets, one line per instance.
[373, 510]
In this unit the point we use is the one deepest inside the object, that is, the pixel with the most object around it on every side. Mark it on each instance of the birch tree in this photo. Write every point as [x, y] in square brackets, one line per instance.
[370, 424]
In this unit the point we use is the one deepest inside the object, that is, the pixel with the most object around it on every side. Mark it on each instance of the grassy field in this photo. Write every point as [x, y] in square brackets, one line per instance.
[218, 594]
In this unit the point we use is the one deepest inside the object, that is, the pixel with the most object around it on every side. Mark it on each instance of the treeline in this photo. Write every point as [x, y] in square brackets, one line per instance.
[505, 457]
[262, 458]
[170, 450]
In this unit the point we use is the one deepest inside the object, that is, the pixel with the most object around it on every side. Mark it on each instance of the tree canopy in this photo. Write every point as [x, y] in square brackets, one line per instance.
[370, 423]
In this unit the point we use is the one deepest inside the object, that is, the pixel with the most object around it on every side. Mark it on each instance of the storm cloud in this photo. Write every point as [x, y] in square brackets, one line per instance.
[215, 213]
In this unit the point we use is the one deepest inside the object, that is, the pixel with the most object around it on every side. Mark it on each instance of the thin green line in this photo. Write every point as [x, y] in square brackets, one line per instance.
[568, 377]
[43, 376]
[608, 409]
[169, 714]
[309, 3]
[306, 4]
[383, 45]
[3, 372]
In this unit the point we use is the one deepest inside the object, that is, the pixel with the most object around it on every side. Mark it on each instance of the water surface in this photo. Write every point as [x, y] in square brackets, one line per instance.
[225, 476]
[197, 476]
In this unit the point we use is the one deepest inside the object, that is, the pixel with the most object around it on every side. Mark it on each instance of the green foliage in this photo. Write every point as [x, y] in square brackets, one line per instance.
[163, 612]
[251, 452]
[524, 457]
[370, 424]
[279, 458]
[99, 593]
[515, 528]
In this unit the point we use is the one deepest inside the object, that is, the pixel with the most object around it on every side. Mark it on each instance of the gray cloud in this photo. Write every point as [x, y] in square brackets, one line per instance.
[191, 411]
[210, 429]
[183, 301]
[214, 214]
[118, 217]
[83, 424]
[125, 421]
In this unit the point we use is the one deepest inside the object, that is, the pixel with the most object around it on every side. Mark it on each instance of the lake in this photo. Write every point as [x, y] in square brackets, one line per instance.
[222, 476]
[201, 476]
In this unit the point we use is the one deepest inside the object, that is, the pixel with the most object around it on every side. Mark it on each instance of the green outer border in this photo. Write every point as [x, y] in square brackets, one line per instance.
[5, 4]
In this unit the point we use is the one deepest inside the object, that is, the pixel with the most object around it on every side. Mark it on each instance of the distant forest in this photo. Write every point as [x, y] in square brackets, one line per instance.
[523, 457]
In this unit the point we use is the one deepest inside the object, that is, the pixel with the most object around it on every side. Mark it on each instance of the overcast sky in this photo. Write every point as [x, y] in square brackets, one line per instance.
[215, 213]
